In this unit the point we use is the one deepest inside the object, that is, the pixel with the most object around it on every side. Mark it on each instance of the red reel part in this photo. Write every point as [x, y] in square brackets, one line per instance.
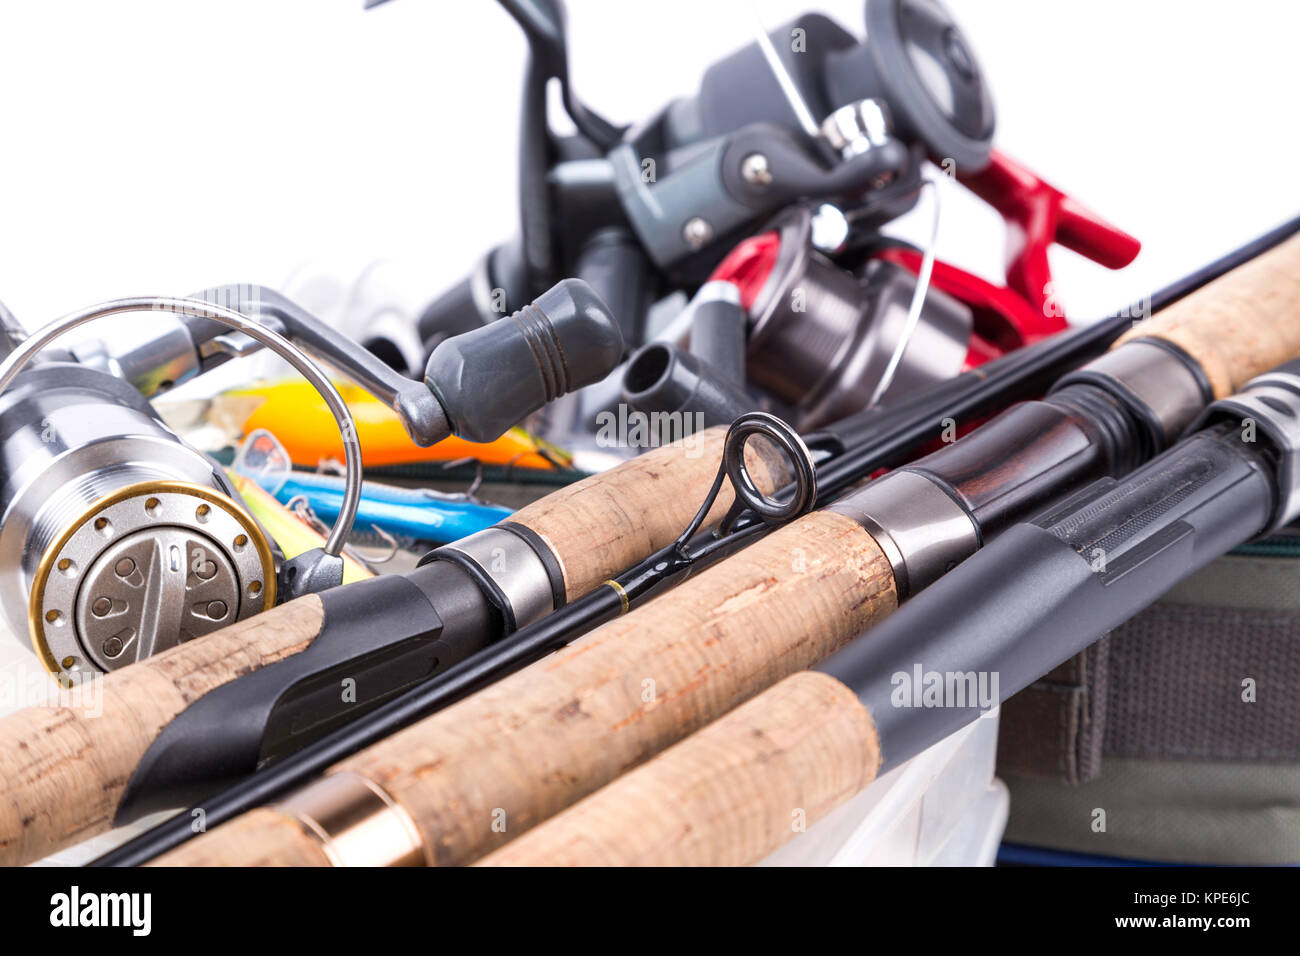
[749, 265]
[1005, 317]
[1037, 215]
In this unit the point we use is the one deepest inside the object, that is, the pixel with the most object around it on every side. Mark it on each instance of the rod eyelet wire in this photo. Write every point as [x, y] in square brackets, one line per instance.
[23, 353]
[771, 510]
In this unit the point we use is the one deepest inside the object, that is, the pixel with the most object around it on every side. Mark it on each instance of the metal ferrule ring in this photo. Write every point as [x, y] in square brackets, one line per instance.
[921, 529]
[1159, 383]
[355, 822]
[1272, 403]
[505, 561]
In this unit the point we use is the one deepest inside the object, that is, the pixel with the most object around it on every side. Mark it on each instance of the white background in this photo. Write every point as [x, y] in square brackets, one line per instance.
[159, 147]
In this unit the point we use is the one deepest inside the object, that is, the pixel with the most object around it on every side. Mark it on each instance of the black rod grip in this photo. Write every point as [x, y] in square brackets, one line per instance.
[384, 634]
[1044, 591]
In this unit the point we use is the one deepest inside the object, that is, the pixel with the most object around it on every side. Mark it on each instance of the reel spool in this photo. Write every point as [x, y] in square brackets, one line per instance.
[821, 338]
[117, 539]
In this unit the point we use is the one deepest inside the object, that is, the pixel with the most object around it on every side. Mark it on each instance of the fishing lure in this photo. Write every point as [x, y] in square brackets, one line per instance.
[299, 419]
[413, 514]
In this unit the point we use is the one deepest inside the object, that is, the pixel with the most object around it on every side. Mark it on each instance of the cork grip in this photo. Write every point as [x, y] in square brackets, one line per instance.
[63, 768]
[1240, 325]
[726, 796]
[62, 772]
[604, 524]
[499, 762]
[262, 837]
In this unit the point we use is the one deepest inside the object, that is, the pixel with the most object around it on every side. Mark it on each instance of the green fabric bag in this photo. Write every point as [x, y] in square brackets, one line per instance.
[1177, 737]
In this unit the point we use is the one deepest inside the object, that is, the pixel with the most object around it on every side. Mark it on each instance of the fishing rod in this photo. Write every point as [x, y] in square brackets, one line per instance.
[561, 627]
[858, 446]
[580, 719]
[204, 729]
[1028, 602]
[552, 552]
[391, 632]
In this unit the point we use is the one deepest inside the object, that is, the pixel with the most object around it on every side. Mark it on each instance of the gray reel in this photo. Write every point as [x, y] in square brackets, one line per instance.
[117, 539]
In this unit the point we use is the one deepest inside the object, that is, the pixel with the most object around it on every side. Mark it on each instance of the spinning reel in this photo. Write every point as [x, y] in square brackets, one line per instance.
[808, 112]
[119, 540]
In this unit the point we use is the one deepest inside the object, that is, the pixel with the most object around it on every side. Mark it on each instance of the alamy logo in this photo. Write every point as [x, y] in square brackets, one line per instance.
[632, 428]
[956, 689]
[75, 908]
[24, 687]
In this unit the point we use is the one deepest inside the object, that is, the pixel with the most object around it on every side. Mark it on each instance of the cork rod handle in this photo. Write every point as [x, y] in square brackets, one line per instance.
[262, 837]
[62, 773]
[63, 768]
[1241, 324]
[507, 758]
[726, 796]
[606, 523]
